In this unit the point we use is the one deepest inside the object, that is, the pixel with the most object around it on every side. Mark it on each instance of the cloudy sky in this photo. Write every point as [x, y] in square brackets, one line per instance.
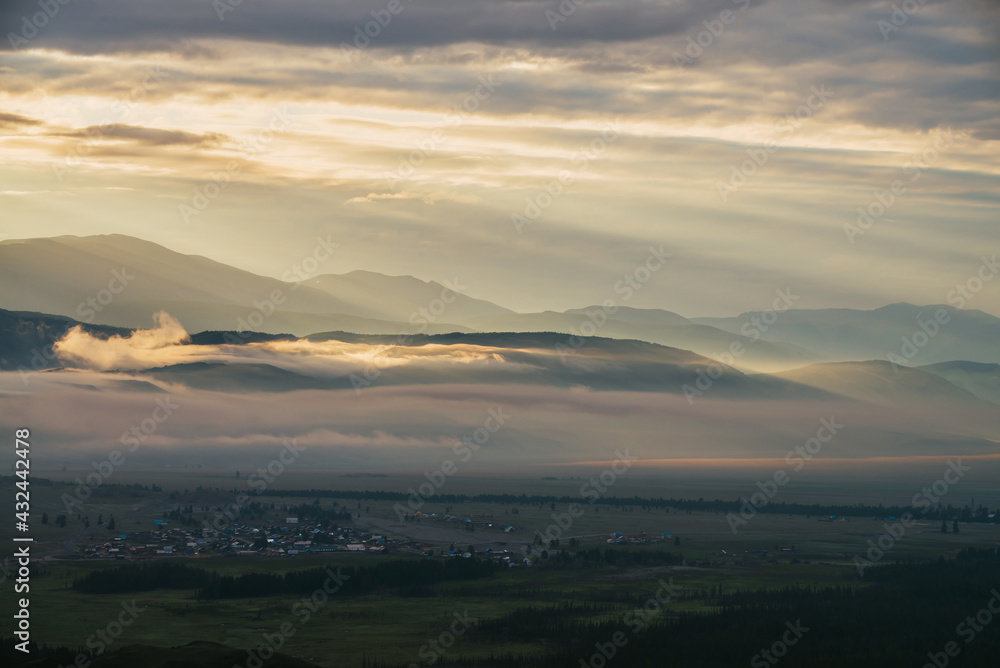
[534, 149]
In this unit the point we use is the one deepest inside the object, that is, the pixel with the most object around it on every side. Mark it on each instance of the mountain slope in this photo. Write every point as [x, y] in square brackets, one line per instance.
[120, 280]
[26, 338]
[852, 334]
[655, 326]
[877, 382]
[377, 296]
[265, 363]
[982, 380]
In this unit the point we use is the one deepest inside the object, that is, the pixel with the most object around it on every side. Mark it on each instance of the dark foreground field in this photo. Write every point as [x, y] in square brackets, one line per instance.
[789, 588]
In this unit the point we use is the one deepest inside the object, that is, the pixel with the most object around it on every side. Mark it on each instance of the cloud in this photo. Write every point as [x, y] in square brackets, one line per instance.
[145, 348]
[14, 121]
[361, 115]
[168, 344]
[145, 136]
[371, 198]
[393, 427]
[426, 198]
[144, 26]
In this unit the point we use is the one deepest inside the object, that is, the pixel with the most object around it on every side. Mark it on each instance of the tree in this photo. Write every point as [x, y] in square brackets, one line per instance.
[677, 541]
[944, 526]
[45, 518]
[954, 526]
[61, 521]
[111, 523]
[100, 519]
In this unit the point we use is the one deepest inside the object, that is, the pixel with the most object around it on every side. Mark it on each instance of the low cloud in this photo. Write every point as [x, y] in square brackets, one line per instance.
[168, 344]
[14, 120]
[145, 136]
[146, 348]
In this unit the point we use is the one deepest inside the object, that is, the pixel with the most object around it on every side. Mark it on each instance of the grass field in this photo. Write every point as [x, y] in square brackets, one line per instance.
[345, 629]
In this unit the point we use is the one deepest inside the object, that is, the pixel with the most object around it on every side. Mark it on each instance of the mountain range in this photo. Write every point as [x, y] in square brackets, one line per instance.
[120, 281]
[373, 372]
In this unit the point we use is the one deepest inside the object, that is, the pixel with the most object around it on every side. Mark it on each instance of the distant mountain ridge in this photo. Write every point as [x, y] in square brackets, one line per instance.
[982, 380]
[121, 281]
[834, 335]
[528, 358]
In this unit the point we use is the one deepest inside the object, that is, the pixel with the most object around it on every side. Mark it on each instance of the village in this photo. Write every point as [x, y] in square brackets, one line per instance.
[288, 538]
[293, 537]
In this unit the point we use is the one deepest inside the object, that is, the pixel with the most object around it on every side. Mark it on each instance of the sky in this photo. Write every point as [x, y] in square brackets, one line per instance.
[536, 151]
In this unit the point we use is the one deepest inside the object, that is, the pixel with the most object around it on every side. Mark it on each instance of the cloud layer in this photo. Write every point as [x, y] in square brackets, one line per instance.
[415, 150]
